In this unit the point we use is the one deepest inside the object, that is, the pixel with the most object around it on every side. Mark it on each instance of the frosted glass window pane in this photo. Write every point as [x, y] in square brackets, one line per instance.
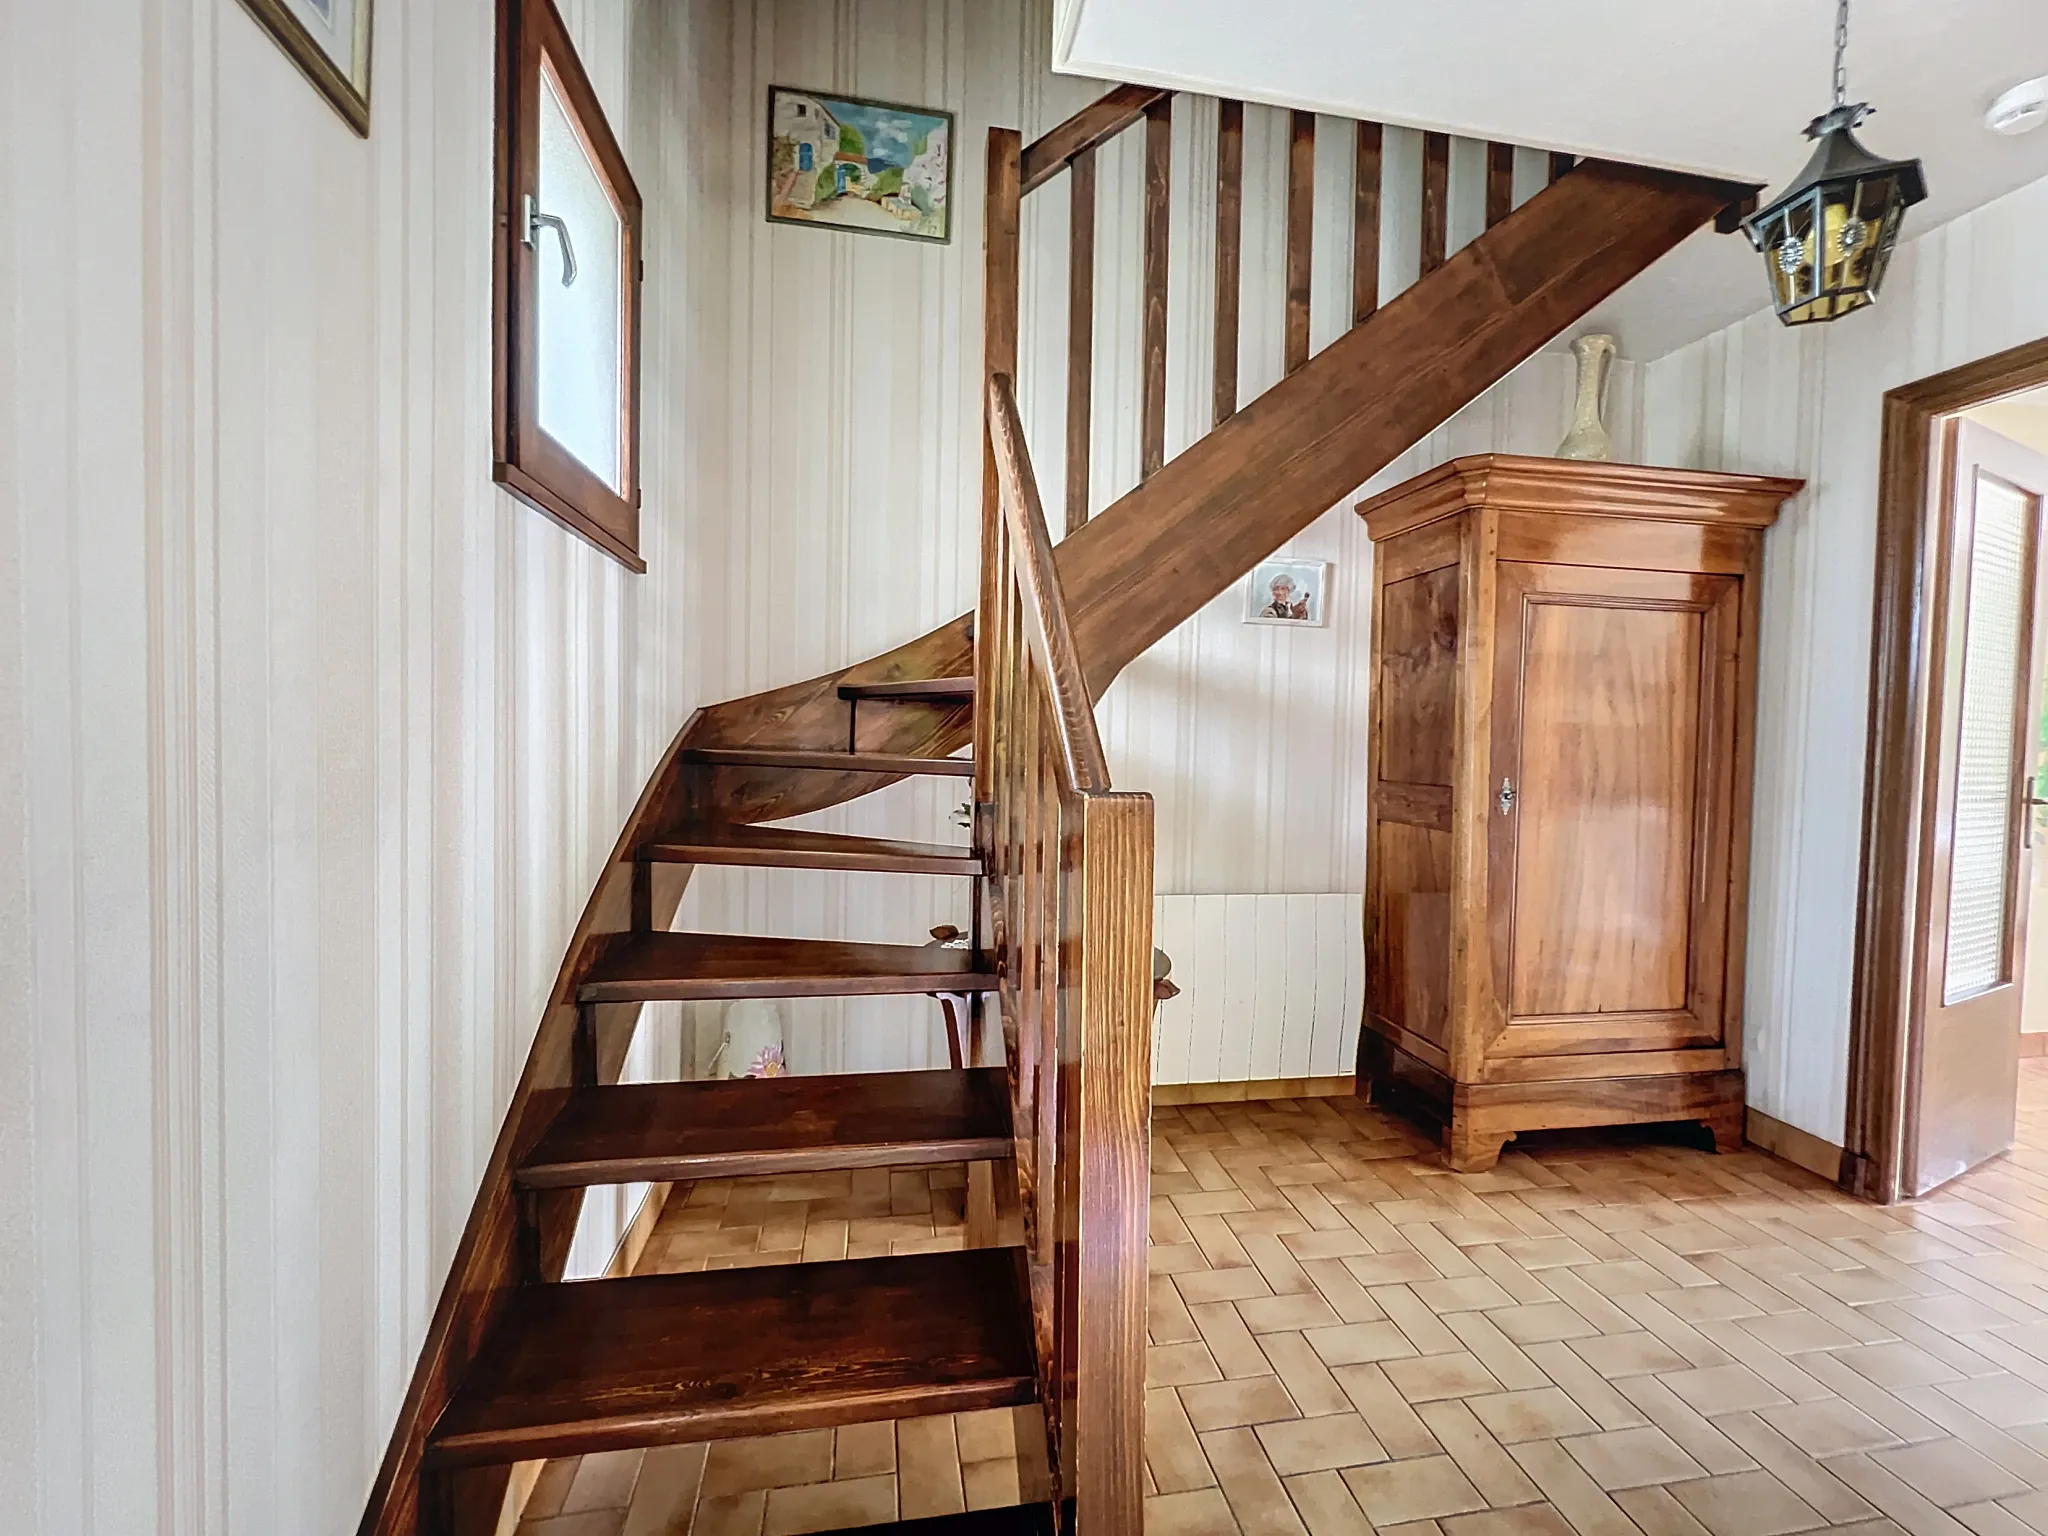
[1980, 862]
[579, 334]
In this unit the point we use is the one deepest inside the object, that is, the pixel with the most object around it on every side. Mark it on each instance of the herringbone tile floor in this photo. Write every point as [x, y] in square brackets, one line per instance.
[1606, 1335]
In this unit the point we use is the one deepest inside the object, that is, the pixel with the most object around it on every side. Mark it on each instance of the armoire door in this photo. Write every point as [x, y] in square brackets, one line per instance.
[1612, 790]
[1988, 667]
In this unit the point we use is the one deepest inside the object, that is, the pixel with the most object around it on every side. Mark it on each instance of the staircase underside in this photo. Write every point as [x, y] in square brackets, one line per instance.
[1158, 554]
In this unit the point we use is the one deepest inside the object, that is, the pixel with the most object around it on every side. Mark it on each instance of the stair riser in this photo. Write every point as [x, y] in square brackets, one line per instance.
[676, 853]
[755, 1165]
[686, 991]
[632, 1432]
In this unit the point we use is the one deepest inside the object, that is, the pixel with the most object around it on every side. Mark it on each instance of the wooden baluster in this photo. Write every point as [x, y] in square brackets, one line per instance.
[1436, 189]
[1000, 255]
[1500, 182]
[1080, 334]
[1158, 189]
[1301, 224]
[1559, 164]
[1365, 224]
[1229, 243]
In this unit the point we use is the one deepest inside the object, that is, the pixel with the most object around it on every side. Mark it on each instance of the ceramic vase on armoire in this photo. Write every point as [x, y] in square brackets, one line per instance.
[1564, 683]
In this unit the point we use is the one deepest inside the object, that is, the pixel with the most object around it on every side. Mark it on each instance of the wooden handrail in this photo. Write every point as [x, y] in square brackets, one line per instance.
[1046, 627]
[1097, 123]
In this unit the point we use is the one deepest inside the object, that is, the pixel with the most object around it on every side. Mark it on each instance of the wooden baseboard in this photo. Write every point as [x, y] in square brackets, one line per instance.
[2035, 1044]
[1800, 1148]
[1256, 1088]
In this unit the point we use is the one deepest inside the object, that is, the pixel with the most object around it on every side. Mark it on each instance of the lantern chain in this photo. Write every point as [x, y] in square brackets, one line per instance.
[1841, 51]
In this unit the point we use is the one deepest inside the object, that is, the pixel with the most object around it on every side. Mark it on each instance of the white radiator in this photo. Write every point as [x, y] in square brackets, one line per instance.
[1270, 987]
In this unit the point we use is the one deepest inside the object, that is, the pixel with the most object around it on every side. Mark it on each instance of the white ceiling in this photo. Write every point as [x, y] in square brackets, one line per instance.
[1723, 87]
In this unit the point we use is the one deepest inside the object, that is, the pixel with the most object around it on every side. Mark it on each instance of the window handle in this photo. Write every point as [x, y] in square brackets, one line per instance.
[534, 220]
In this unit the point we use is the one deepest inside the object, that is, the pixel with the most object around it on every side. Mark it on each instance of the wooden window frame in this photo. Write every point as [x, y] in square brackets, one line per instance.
[1892, 901]
[525, 459]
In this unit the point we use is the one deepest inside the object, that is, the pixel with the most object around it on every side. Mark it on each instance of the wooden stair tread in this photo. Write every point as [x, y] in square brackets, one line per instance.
[646, 967]
[732, 842]
[599, 1365]
[1010, 1520]
[831, 762]
[911, 688]
[752, 1126]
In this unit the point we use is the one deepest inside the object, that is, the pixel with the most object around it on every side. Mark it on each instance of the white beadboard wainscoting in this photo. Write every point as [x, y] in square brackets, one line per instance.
[1271, 986]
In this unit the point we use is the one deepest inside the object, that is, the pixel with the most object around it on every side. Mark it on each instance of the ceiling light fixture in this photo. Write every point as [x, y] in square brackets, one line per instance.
[1827, 239]
[2020, 109]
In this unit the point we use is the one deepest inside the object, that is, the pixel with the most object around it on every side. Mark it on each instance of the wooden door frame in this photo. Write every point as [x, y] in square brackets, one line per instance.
[1884, 1002]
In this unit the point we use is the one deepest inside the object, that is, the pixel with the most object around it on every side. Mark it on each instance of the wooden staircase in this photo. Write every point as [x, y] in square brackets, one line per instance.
[1045, 1304]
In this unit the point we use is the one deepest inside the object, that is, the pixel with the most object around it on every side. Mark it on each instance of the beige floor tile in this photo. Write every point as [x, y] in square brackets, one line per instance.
[589, 1522]
[768, 1461]
[1326, 1506]
[863, 1450]
[1302, 1371]
[1319, 1444]
[2005, 1400]
[928, 1467]
[1723, 1389]
[1892, 1366]
[1172, 1453]
[829, 1506]
[604, 1480]
[1631, 1458]
[1657, 1513]
[1250, 1486]
[1542, 1413]
[986, 1435]
[1356, 1343]
[1199, 1513]
[1528, 1520]
[665, 1497]
[1277, 1314]
[1790, 1332]
[551, 1488]
[1469, 1293]
[1178, 1365]
[1628, 1354]
[1948, 1472]
[1228, 1404]
[1423, 1489]
[1428, 1377]
[1576, 1496]
[730, 1514]
[1828, 1428]
[1746, 1504]
[1479, 1456]
[990, 1484]
[1541, 1322]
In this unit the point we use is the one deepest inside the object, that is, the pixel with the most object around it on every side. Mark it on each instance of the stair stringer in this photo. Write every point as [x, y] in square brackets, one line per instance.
[1155, 556]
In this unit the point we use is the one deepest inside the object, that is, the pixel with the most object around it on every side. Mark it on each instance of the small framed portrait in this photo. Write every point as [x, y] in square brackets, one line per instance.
[1288, 592]
[330, 42]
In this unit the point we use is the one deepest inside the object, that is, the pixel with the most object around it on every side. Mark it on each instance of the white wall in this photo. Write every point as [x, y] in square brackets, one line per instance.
[310, 740]
[1758, 397]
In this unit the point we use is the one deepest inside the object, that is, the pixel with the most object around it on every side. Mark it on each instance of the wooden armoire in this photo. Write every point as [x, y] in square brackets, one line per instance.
[1564, 682]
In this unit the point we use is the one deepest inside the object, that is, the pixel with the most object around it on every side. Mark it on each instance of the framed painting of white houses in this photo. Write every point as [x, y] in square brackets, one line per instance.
[1288, 592]
[873, 167]
[330, 42]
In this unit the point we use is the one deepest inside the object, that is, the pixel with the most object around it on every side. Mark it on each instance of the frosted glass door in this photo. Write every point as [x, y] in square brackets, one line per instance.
[1989, 670]
[1988, 738]
[580, 332]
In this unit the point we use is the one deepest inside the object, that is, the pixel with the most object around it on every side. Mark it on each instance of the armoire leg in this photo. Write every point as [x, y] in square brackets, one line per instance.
[1471, 1148]
[1727, 1123]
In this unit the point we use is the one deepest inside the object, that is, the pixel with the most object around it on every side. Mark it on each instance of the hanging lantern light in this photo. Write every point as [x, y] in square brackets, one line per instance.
[1827, 239]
